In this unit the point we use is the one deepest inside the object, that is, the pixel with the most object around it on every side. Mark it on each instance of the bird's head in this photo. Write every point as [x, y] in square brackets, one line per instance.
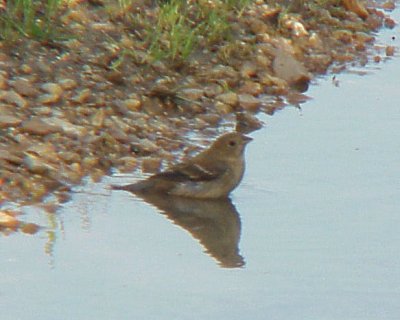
[231, 144]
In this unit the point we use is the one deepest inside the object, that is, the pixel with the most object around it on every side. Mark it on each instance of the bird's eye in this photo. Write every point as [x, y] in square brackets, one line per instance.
[232, 143]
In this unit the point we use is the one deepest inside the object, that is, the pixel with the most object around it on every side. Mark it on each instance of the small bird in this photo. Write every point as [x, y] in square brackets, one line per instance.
[212, 174]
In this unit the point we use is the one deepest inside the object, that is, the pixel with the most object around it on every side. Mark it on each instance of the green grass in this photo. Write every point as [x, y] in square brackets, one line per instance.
[30, 19]
[182, 26]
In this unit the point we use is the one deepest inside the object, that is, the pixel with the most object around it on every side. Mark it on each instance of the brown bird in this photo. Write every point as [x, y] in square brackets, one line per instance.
[212, 174]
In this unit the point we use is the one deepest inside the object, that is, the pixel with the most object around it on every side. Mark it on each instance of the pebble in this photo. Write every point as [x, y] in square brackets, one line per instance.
[8, 221]
[213, 90]
[9, 121]
[14, 98]
[26, 69]
[132, 104]
[390, 51]
[288, 68]
[223, 108]
[192, 93]
[71, 130]
[35, 164]
[128, 164]
[248, 70]
[24, 87]
[68, 84]
[3, 82]
[151, 165]
[48, 98]
[248, 102]
[251, 87]
[39, 127]
[229, 98]
[82, 96]
[98, 118]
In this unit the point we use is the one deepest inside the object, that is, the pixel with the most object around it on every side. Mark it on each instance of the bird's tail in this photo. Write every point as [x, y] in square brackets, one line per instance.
[140, 186]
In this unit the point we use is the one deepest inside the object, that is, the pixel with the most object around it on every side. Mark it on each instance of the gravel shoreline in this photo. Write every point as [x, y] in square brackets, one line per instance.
[65, 114]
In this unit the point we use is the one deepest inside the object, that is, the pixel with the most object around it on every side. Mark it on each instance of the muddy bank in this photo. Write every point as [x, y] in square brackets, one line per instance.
[79, 107]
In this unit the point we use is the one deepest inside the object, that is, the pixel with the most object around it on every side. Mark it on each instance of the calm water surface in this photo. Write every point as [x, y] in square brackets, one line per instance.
[313, 232]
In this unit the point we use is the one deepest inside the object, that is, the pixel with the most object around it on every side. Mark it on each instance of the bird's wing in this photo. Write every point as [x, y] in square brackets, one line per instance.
[194, 172]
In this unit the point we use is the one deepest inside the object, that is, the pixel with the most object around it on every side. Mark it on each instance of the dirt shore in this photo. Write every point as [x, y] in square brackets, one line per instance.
[96, 101]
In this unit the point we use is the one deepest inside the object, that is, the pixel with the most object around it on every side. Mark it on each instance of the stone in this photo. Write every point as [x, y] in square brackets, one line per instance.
[14, 98]
[9, 121]
[356, 7]
[3, 81]
[248, 70]
[191, 93]
[223, 108]
[68, 84]
[251, 87]
[288, 68]
[82, 96]
[98, 118]
[35, 164]
[132, 104]
[71, 130]
[229, 98]
[248, 102]
[151, 165]
[24, 87]
[39, 127]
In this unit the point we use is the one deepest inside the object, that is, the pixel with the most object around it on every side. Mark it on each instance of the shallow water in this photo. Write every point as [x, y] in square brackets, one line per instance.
[311, 233]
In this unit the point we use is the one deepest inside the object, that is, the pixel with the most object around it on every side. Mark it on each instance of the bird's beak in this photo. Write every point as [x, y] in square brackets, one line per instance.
[247, 139]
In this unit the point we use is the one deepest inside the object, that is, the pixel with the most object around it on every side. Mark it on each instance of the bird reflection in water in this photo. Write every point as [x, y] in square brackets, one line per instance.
[215, 223]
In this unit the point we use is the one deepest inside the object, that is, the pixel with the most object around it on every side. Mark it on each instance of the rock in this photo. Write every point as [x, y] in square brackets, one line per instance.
[39, 127]
[191, 93]
[258, 27]
[390, 51]
[356, 7]
[35, 164]
[223, 108]
[9, 121]
[296, 27]
[248, 102]
[251, 87]
[128, 164]
[248, 70]
[42, 111]
[26, 69]
[263, 61]
[71, 130]
[69, 156]
[46, 151]
[119, 135]
[54, 92]
[82, 96]
[213, 90]
[14, 98]
[151, 165]
[211, 118]
[132, 104]
[288, 68]
[3, 82]
[8, 220]
[68, 84]
[8, 156]
[223, 72]
[229, 98]
[48, 98]
[24, 87]
[29, 228]
[98, 118]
